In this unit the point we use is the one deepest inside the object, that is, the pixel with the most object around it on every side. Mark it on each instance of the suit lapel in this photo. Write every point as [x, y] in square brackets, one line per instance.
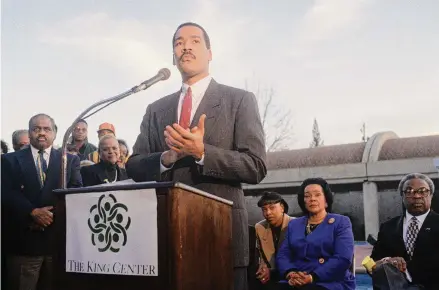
[101, 173]
[209, 105]
[424, 232]
[268, 244]
[320, 228]
[168, 116]
[400, 244]
[53, 176]
[283, 231]
[54, 170]
[267, 239]
[28, 167]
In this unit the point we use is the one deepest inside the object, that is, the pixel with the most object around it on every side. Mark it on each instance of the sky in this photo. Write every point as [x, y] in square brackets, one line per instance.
[343, 62]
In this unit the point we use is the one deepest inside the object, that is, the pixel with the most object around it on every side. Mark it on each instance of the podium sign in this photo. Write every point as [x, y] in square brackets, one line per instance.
[142, 236]
[113, 232]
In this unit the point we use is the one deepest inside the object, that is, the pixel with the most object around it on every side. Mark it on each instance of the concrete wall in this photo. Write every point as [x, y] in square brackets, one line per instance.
[390, 205]
[366, 190]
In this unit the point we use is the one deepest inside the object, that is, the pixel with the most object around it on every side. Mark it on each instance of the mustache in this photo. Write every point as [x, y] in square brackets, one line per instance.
[187, 53]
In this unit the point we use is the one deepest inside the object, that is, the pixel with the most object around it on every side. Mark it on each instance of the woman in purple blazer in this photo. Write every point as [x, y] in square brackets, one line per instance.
[318, 248]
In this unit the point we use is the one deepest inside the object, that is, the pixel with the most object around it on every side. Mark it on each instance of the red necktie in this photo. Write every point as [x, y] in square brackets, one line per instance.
[186, 108]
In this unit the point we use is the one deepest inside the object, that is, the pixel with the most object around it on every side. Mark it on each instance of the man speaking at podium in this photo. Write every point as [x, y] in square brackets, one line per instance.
[206, 135]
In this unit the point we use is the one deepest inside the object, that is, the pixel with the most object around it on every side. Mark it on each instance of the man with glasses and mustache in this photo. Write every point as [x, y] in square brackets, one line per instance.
[206, 135]
[28, 178]
[407, 249]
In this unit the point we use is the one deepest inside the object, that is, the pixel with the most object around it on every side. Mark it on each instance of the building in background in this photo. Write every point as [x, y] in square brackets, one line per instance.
[364, 176]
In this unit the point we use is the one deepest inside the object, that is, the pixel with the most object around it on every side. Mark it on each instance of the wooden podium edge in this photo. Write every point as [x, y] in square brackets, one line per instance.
[203, 193]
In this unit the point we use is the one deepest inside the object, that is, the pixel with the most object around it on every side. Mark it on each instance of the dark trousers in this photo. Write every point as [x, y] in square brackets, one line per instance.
[388, 277]
[240, 278]
[29, 272]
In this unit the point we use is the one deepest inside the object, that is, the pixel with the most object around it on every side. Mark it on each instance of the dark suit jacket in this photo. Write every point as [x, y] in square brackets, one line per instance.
[424, 266]
[96, 174]
[21, 193]
[234, 151]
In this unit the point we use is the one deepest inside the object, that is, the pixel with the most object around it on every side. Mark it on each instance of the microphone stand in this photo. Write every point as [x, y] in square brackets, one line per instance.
[69, 131]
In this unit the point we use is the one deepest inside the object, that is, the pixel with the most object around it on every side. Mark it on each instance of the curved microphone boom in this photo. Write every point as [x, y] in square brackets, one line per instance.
[162, 75]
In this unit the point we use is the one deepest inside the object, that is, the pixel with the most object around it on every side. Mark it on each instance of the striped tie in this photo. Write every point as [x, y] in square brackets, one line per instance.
[41, 167]
[412, 233]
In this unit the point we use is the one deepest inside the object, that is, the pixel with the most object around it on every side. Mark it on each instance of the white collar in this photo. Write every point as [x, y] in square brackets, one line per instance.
[420, 218]
[197, 88]
[35, 150]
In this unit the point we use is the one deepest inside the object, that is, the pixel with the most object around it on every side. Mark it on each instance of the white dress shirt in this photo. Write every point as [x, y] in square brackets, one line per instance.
[46, 154]
[198, 91]
[407, 221]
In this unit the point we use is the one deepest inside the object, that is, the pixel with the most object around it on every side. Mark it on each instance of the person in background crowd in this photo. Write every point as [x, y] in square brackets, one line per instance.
[80, 140]
[107, 170]
[5, 148]
[270, 233]
[407, 248]
[20, 139]
[206, 135]
[124, 153]
[29, 177]
[319, 247]
[72, 149]
[104, 129]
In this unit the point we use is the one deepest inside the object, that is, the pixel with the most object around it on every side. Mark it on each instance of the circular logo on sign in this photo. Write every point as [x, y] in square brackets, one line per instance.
[109, 222]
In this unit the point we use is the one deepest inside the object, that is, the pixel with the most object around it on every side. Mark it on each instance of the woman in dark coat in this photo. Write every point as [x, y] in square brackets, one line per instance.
[107, 170]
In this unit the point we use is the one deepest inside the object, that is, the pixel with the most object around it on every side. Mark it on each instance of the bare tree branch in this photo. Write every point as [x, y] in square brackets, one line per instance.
[276, 120]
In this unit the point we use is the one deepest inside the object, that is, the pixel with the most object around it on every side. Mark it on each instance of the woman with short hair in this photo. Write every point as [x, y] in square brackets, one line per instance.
[318, 249]
[270, 233]
[107, 170]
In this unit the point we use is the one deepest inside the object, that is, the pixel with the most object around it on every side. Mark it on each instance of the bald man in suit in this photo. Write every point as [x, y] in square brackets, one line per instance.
[206, 135]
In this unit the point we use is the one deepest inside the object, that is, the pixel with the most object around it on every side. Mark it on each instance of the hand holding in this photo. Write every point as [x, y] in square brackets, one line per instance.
[43, 216]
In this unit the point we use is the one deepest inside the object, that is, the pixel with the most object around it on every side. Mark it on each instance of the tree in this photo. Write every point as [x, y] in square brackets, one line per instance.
[316, 140]
[276, 120]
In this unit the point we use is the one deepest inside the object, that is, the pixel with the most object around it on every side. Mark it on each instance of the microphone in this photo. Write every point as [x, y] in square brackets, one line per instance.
[162, 75]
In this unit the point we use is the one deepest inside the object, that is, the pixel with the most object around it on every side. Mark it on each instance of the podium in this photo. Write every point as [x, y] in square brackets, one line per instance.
[194, 242]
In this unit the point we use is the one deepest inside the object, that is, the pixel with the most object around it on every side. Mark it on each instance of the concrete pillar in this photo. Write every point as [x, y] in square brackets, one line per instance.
[371, 210]
[370, 193]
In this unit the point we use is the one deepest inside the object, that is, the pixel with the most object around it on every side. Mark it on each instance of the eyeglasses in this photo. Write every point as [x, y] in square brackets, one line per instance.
[80, 130]
[410, 192]
[39, 129]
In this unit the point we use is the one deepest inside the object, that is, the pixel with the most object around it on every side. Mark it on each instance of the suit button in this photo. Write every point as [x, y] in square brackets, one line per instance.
[321, 260]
